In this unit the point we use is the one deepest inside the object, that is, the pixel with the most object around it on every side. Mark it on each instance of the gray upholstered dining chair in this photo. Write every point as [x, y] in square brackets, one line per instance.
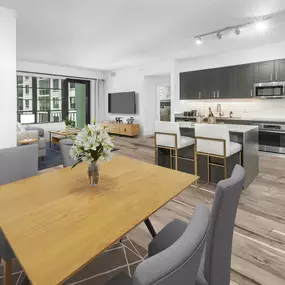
[65, 146]
[215, 265]
[16, 163]
[178, 264]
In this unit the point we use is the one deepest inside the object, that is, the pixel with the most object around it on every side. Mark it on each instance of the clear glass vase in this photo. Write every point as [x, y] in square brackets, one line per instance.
[93, 173]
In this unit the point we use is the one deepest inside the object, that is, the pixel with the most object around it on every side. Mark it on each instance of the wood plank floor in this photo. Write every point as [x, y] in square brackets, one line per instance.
[258, 254]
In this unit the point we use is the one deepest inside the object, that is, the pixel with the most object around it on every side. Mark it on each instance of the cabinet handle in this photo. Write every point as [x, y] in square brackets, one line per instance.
[214, 94]
[276, 76]
[199, 95]
[251, 92]
[218, 94]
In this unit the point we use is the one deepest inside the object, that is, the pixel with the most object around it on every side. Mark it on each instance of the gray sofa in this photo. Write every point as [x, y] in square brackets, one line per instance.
[33, 133]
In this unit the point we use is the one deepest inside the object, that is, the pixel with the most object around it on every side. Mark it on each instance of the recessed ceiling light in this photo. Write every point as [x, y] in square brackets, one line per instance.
[261, 25]
[199, 40]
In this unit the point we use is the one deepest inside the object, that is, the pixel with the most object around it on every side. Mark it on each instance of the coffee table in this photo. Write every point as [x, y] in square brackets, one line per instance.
[61, 133]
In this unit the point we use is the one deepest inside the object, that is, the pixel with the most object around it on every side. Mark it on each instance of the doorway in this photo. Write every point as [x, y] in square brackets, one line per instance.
[77, 103]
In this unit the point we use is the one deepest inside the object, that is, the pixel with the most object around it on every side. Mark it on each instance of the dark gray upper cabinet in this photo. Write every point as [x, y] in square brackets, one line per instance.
[242, 81]
[192, 85]
[230, 82]
[223, 90]
[279, 70]
[264, 71]
[212, 82]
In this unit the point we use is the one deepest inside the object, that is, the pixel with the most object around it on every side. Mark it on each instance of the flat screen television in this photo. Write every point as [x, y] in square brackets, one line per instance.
[122, 103]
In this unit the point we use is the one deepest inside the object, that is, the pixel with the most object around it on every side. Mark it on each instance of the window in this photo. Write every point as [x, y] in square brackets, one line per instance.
[56, 84]
[43, 96]
[24, 95]
[72, 103]
[49, 98]
[55, 103]
[27, 89]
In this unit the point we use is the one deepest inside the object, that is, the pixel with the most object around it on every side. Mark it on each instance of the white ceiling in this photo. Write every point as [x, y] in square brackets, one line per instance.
[108, 34]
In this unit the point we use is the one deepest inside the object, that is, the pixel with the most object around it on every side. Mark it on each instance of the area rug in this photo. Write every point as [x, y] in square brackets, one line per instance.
[124, 257]
[53, 157]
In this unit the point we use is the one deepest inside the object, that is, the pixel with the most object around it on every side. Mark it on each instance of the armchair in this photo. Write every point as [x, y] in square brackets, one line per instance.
[33, 134]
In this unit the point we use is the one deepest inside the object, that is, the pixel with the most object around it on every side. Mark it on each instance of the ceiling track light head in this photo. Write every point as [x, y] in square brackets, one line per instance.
[219, 35]
[198, 40]
[237, 31]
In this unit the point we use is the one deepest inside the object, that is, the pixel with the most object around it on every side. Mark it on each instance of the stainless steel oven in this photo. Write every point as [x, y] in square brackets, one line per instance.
[269, 90]
[272, 137]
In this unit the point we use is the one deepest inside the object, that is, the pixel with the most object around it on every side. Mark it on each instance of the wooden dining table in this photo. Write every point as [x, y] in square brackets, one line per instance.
[56, 223]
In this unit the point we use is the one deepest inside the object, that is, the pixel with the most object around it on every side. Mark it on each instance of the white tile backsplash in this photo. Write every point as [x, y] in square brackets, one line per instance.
[245, 108]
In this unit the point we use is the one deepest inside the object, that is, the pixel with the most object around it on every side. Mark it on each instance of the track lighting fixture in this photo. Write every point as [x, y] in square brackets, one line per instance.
[260, 24]
[198, 40]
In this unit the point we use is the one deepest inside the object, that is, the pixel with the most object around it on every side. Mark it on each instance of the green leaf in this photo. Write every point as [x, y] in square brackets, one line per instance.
[78, 161]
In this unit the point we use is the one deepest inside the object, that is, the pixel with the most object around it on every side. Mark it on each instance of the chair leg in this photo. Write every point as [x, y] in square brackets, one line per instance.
[170, 154]
[8, 272]
[225, 168]
[209, 172]
[240, 157]
[196, 164]
[176, 159]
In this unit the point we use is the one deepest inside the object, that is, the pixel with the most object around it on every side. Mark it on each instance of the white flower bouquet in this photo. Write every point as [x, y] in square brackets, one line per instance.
[91, 144]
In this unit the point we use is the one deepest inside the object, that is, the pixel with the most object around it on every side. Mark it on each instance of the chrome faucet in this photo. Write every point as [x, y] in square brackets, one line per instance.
[231, 114]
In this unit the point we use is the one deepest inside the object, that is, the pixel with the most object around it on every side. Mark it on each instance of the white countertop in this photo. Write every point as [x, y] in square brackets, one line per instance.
[251, 119]
[232, 128]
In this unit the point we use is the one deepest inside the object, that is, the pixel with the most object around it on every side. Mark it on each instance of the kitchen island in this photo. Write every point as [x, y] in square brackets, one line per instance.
[246, 135]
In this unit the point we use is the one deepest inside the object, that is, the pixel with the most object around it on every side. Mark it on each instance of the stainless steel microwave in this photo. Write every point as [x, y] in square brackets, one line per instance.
[269, 90]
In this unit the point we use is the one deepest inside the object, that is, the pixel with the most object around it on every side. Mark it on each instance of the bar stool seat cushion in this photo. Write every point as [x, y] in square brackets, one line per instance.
[168, 142]
[234, 148]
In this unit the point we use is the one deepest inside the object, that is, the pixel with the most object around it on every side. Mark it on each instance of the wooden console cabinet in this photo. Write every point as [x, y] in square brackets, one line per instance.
[130, 130]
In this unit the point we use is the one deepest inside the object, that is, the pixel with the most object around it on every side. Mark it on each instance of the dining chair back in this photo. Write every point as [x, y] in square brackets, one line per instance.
[217, 261]
[178, 264]
[65, 146]
[18, 163]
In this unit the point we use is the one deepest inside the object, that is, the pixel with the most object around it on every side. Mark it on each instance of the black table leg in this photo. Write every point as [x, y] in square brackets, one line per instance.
[49, 140]
[150, 227]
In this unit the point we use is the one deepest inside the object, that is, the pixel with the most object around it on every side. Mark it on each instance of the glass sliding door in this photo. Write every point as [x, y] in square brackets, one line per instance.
[78, 102]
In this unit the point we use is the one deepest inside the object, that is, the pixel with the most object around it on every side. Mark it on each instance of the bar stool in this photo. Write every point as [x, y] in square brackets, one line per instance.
[167, 136]
[214, 141]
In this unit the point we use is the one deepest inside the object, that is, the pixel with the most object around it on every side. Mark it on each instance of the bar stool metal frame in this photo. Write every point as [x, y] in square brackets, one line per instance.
[209, 155]
[167, 147]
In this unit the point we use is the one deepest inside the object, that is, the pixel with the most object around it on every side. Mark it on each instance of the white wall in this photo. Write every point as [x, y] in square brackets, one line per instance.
[241, 107]
[141, 80]
[8, 92]
[151, 97]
